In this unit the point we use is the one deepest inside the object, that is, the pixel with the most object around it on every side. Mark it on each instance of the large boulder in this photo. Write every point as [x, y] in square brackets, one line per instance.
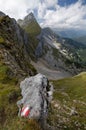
[36, 94]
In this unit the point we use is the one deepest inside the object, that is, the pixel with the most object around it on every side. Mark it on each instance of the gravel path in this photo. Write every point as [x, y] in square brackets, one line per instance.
[43, 68]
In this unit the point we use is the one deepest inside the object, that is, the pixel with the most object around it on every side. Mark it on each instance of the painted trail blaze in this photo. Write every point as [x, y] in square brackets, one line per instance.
[25, 111]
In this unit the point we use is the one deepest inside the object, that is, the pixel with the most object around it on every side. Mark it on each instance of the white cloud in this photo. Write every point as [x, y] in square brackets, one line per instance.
[41, 10]
[50, 3]
[48, 11]
[73, 16]
[44, 6]
[17, 8]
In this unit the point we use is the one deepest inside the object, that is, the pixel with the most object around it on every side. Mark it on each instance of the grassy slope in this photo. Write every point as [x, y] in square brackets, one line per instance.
[9, 95]
[33, 28]
[69, 94]
[1, 40]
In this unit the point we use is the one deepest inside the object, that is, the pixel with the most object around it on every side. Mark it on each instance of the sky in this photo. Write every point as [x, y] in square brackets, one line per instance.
[49, 13]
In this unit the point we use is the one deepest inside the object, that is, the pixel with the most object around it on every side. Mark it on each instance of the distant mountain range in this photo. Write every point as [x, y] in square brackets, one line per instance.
[70, 33]
[81, 39]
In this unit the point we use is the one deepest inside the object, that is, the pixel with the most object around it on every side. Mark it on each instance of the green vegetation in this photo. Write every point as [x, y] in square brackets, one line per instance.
[21, 124]
[9, 85]
[9, 95]
[55, 53]
[68, 108]
[1, 40]
[75, 86]
[76, 53]
[82, 53]
[33, 29]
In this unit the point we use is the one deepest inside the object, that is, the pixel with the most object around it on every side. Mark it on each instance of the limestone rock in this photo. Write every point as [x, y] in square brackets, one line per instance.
[37, 93]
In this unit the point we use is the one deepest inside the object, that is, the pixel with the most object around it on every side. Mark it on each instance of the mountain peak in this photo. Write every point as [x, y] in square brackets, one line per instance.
[31, 14]
[30, 17]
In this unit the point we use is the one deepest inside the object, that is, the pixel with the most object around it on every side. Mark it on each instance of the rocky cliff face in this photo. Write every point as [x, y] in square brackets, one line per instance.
[14, 44]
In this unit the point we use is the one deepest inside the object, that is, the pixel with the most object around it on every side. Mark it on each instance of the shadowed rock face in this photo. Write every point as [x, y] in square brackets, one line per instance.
[2, 14]
[37, 93]
[15, 47]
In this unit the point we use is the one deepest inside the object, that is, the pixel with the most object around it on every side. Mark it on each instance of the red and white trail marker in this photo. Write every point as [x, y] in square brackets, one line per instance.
[25, 111]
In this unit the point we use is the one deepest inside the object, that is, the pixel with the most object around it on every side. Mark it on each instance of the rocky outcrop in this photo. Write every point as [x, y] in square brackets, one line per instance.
[36, 94]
